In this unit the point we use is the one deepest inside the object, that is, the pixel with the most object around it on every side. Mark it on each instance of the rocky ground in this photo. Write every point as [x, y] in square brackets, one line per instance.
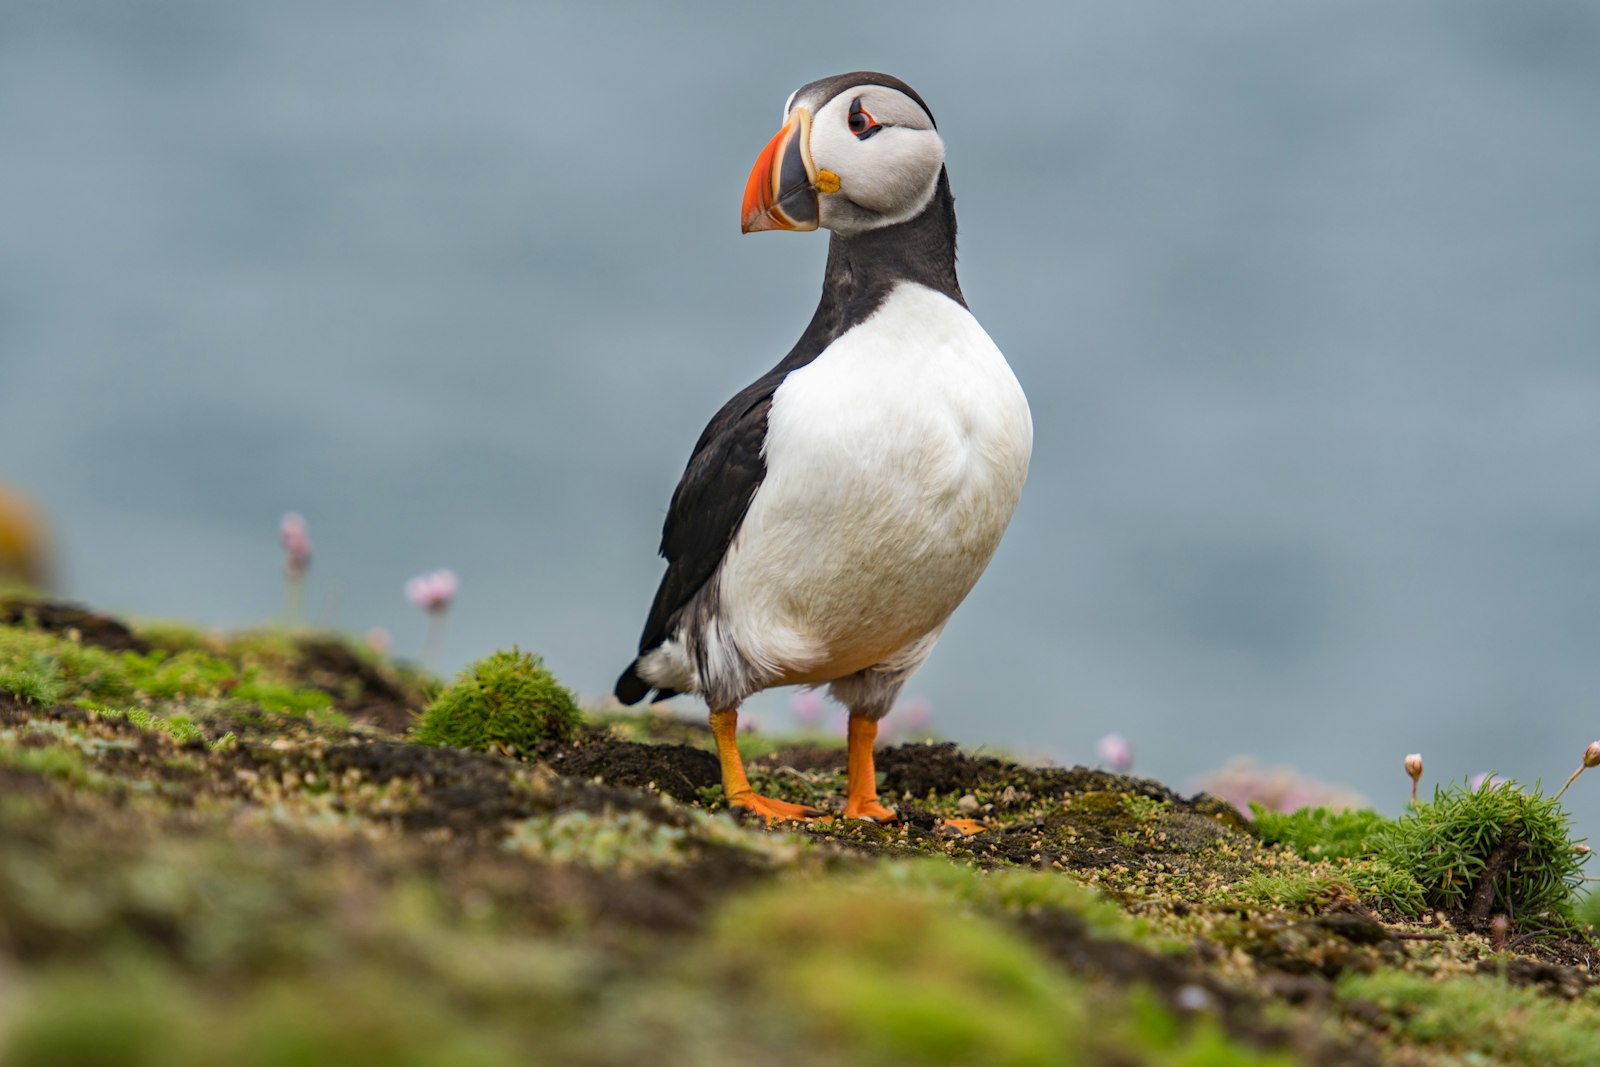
[227, 850]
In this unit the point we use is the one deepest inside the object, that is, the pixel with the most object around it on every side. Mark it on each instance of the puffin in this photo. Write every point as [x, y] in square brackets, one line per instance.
[837, 510]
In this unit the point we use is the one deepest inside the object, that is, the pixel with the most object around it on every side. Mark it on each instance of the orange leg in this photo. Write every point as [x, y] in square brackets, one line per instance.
[861, 795]
[735, 786]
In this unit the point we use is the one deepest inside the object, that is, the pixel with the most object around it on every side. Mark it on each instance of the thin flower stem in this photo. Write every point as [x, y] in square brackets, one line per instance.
[293, 598]
[435, 639]
[1581, 768]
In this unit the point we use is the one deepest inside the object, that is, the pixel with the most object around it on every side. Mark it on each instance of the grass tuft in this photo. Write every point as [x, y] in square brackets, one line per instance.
[1520, 842]
[34, 678]
[507, 700]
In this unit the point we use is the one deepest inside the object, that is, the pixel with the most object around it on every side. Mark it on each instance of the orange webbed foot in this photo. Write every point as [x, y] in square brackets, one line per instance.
[773, 810]
[869, 809]
[963, 827]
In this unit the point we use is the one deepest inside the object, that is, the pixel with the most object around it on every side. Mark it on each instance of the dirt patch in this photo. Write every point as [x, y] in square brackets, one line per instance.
[89, 627]
[679, 771]
[362, 691]
[923, 770]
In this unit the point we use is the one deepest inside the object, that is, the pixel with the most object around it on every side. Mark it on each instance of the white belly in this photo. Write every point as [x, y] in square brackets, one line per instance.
[894, 463]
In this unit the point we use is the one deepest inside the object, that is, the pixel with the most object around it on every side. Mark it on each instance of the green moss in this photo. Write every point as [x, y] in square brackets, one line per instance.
[626, 840]
[1318, 833]
[506, 700]
[925, 984]
[146, 1017]
[33, 678]
[1482, 1016]
[55, 668]
[1447, 845]
[892, 969]
[56, 761]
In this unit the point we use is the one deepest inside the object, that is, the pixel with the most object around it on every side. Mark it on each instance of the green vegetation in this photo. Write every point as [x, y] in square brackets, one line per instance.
[506, 701]
[45, 668]
[1439, 854]
[231, 849]
[1491, 850]
[1482, 1017]
[1318, 833]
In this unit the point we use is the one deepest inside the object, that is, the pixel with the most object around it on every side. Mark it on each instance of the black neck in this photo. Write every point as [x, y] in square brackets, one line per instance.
[864, 267]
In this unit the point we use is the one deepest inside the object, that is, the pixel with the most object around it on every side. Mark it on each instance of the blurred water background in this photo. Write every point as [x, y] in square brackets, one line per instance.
[1306, 298]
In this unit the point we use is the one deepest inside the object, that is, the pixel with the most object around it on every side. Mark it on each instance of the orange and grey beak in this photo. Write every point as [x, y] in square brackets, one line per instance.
[781, 193]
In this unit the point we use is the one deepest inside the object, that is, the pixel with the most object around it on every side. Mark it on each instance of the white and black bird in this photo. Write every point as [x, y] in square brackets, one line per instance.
[837, 510]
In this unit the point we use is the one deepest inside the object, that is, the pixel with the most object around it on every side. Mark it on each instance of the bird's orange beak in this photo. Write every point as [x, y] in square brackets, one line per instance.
[781, 193]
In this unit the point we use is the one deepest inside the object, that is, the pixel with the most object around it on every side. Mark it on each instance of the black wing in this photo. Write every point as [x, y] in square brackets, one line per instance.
[727, 466]
[707, 508]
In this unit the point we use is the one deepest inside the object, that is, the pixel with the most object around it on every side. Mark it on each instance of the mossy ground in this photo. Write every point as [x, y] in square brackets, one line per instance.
[226, 850]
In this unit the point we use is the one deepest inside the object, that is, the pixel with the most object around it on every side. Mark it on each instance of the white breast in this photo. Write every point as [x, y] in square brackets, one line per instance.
[894, 462]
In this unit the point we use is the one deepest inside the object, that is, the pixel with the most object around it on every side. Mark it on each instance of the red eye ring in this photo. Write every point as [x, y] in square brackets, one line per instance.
[861, 122]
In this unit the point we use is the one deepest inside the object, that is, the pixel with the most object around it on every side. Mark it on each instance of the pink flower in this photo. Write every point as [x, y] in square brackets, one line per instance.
[1243, 782]
[1115, 751]
[1486, 780]
[807, 707]
[296, 538]
[1591, 755]
[433, 592]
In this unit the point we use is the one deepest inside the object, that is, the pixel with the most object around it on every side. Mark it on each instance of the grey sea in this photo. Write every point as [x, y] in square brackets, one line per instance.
[1306, 299]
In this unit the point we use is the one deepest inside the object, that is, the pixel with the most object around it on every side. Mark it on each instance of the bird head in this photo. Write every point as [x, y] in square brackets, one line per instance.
[856, 152]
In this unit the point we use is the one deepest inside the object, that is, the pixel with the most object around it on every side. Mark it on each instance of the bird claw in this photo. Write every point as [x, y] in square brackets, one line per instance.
[773, 810]
[871, 811]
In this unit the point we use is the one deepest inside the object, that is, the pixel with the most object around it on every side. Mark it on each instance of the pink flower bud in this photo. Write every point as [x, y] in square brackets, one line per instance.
[296, 538]
[1115, 751]
[433, 591]
[1591, 755]
[1414, 765]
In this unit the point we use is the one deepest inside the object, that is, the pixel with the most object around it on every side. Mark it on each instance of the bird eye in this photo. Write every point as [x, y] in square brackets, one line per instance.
[861, 122]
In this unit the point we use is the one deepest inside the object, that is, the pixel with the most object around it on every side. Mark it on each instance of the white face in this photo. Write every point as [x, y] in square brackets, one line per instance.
[884, 149]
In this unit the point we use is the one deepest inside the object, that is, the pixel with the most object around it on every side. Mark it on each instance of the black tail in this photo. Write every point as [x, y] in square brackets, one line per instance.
[630, 687]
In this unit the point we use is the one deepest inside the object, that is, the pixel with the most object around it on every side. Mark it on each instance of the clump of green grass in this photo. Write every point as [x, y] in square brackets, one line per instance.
[1493, 849]
[1321, 885]
[507, 700]
[1438, 854]
[33, 679]
[1321, 833]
